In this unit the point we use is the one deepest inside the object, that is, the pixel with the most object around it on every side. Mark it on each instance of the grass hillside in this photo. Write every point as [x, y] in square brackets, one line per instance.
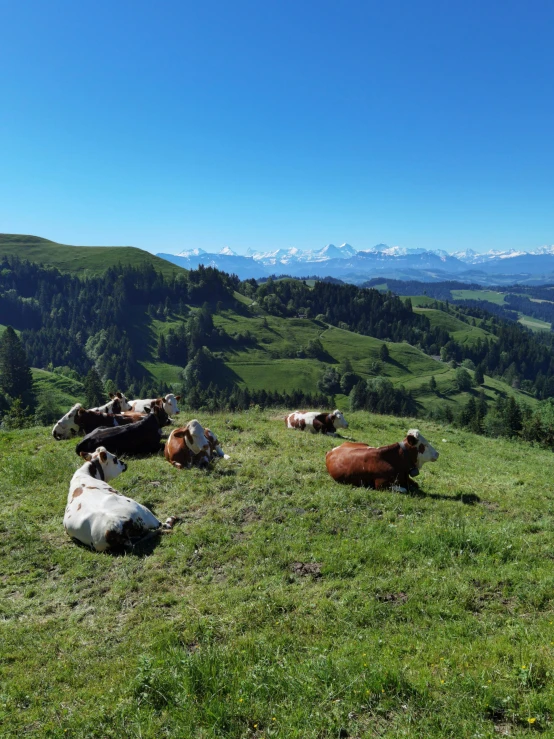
[260, 364]
[460, 331]
[79, 260]
[62, 391]
[283, 605]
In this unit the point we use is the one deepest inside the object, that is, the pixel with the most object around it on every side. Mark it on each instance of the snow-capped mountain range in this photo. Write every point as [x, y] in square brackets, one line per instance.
[351, 265]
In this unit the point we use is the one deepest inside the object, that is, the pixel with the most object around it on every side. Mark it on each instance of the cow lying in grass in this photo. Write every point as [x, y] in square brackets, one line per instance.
[192, 446]
[142, 437]
[379, 467]
[80, 421]
[117, 404]
[99, 516]
[169, 401]
[322, 423]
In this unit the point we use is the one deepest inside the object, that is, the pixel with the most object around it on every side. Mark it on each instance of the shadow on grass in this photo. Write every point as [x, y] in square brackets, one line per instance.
[465, 498]
[140, 548]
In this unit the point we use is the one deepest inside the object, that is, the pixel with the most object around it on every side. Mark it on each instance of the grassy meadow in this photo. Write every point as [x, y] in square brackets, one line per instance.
[283, 604]
[80, 260]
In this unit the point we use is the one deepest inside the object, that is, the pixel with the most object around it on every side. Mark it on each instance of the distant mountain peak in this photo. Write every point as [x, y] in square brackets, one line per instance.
[192, 253]
[227, 251]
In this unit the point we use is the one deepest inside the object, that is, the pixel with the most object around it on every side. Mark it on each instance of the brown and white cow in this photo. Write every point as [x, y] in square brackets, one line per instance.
[169, 401]
[379, 467]
[192, 446]
[323, 423]
[99, 516]
[117, 404]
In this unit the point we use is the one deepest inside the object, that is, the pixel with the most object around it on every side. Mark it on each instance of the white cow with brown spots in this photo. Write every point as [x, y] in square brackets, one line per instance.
[99, 516]
[169, 404]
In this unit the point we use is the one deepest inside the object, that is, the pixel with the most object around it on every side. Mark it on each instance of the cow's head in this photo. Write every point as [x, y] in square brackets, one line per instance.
[170, 404]
[339, 422]
[67, 427]
[120, 402]
[105, 465]
[425, 451]
[195, 438]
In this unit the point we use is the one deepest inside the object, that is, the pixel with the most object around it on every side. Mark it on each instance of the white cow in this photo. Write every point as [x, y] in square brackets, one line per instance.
[99, 516]
[117, 404]
[170, 404]
[324, 423]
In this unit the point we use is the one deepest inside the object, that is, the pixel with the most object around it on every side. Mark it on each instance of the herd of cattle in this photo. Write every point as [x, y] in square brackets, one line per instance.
[100, 517]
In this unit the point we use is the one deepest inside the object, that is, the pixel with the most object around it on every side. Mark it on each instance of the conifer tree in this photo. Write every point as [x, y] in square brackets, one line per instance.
[94, 390]
[384, 353]
[16, 379]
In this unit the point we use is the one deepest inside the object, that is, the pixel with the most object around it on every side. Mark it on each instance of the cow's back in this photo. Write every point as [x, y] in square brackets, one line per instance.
[135, 438]
[357, 464]
[98, 516]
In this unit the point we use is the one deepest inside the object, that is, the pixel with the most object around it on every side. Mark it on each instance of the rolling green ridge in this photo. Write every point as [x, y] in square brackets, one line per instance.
[80, 260]
[283, 604]
[460, 331]
[62, 391]
[258, 366]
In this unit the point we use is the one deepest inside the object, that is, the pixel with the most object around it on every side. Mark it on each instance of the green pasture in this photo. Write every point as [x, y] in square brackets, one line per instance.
[492, 296]
[80, 260]
[283, 604]
[422, 301]
[535, 324]
[460, 331]
[60, 391]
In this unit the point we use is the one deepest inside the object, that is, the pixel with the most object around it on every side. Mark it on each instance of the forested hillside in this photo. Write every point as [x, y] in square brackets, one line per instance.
[223, 343]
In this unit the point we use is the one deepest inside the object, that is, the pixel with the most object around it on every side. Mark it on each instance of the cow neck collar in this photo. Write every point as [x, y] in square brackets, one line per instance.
[96, 467]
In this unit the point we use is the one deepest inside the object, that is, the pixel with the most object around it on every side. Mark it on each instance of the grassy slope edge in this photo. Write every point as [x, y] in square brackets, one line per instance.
[80, 260]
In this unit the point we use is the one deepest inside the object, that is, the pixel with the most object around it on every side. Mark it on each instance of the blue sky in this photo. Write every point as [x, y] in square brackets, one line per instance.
[174, 125]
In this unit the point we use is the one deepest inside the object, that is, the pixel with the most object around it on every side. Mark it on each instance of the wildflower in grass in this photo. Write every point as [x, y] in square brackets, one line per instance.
[531, 720]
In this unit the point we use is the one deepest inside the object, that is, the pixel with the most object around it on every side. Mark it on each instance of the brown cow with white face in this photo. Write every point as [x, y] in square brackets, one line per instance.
[380, 467]
[192, 446]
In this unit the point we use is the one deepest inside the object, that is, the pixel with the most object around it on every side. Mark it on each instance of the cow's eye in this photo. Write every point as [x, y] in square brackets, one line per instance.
[115, 460]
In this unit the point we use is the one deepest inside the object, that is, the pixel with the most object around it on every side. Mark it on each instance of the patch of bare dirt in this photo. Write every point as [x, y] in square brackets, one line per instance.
[307, 569]
[394, 599]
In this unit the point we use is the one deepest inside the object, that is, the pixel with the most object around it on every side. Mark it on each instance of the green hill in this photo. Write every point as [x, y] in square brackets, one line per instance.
[460, 331]
[79, 260]
[268, 361]
[283, 604]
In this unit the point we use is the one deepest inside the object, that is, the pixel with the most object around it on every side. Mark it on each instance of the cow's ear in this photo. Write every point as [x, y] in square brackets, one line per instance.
[112, 395]
[412, 441]
[119, 395]
[103, 456]
[86, 456]
[177, 397]
[79, 412]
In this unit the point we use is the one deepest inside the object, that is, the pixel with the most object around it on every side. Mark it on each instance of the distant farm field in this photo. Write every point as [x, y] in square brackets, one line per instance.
[283, 604]
[492, 296]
